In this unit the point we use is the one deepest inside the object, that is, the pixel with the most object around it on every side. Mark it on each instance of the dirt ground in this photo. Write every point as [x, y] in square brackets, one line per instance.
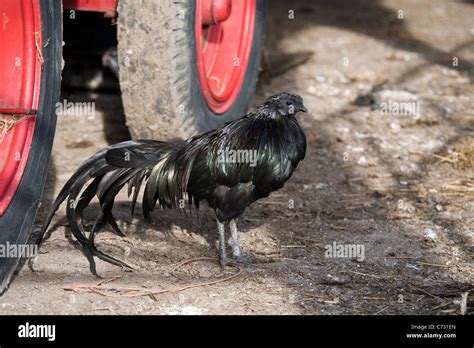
[401, 186]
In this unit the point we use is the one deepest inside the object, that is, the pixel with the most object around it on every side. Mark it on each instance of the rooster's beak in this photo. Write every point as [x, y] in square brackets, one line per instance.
[303, 108]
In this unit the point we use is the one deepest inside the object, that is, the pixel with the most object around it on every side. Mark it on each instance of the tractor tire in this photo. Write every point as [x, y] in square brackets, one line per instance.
[159, 76]
[17, 220]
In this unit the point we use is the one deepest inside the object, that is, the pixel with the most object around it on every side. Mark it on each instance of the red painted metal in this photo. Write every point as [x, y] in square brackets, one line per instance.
[223, 52]
[91, 5]
[20, 77]
[10, 112]
[215, 11]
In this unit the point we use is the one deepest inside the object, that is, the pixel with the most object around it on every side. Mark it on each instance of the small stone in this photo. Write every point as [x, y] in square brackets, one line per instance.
[336, 280]
[430, 234]
[362, 161]
[446, 110]
[320, 186]
[343, 129]
[356, 148]
[412, 267]
[439, 208]
[395, 127]
[343, 79]
[320, 78]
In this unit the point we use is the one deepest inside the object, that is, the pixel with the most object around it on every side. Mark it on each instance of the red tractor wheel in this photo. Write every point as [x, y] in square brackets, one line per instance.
[30, 75]
[188, 66]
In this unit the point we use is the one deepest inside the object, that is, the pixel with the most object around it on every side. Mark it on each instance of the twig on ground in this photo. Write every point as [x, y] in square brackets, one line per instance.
[432, 264]
[380, 311]
[101, 288]
[443, 304]
[463, 304]
[424, 291]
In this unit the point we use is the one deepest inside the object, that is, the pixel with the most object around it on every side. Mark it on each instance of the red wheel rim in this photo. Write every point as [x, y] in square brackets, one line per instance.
[20, 77]
[223, 52]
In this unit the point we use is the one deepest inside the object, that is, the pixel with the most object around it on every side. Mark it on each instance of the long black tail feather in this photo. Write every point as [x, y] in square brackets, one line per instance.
[103, 176]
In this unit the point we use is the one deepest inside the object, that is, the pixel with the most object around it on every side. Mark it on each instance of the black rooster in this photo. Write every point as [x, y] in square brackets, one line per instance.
[229, 168]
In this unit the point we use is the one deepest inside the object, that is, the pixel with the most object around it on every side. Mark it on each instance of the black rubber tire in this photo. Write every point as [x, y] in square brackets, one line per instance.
[159, 79]
[17, 221]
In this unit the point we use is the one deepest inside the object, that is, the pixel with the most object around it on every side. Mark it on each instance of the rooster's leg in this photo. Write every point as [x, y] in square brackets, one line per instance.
[223, 254]
[238, 256]
[234, 233]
